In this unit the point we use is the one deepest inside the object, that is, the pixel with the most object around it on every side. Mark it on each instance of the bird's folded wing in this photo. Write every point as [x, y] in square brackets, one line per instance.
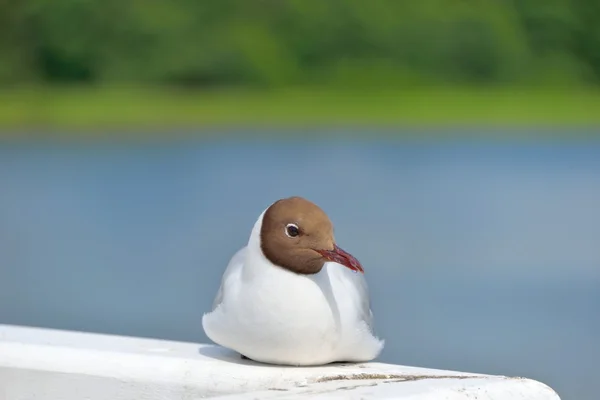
[365, 305]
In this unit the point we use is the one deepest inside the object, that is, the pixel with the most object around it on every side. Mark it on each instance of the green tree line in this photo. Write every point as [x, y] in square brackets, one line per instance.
[270, 43]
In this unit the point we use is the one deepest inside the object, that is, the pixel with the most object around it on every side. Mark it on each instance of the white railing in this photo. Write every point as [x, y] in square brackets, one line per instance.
[44, 364]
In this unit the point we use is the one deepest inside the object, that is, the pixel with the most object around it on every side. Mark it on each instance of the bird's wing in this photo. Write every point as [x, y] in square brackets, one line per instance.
[231, 273]
[357, 289]
[364, 298]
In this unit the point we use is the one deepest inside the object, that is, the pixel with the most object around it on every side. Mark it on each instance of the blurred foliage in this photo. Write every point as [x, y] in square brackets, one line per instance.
[115, 110]
[274, 43]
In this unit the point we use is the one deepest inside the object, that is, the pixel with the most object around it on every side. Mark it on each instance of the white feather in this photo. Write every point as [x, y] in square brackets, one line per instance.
[272, 315]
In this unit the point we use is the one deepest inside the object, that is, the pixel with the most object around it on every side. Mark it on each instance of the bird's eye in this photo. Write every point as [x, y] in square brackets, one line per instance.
[292, 230]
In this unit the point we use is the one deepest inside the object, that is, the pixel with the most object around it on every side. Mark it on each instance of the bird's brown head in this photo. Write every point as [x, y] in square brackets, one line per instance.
[298, 236]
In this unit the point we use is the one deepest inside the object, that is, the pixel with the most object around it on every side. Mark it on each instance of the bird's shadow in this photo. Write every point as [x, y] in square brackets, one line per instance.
[230, 356]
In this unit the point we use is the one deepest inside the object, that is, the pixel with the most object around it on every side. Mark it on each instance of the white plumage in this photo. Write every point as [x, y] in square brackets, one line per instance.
[273, 315]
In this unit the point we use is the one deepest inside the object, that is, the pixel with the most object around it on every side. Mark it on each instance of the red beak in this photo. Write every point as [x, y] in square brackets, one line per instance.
[340, 256]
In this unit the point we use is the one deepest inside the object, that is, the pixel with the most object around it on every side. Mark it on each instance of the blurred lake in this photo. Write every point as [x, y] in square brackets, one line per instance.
[481, 256]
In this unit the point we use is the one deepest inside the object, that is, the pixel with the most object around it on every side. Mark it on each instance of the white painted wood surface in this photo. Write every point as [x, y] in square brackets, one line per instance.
[42, 364]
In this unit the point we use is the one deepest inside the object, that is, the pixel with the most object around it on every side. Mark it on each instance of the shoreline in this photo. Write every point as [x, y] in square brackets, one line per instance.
[97, 111]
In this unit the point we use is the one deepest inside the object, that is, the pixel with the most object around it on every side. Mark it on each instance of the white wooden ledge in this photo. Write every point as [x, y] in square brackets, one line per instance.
[45, 364]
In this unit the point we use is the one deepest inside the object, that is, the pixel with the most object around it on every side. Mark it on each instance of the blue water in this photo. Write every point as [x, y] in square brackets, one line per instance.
[480, 257]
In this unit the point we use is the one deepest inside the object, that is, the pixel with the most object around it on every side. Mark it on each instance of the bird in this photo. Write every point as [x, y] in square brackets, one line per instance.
[292, 296]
